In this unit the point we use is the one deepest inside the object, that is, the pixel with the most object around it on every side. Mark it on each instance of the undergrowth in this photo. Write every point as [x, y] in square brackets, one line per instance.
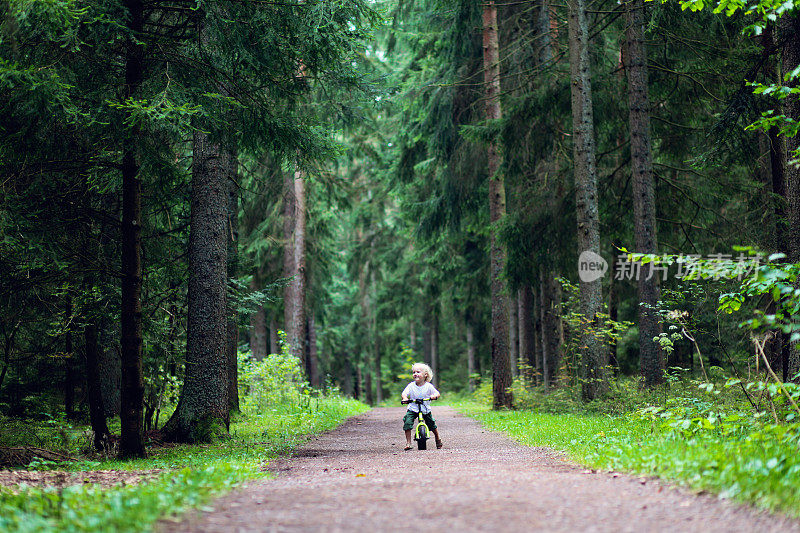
[277, 414]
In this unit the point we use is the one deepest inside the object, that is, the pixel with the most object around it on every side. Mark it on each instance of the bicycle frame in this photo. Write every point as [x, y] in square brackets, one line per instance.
[420, 420]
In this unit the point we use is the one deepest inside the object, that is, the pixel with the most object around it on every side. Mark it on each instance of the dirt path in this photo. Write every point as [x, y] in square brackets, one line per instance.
[358, 478]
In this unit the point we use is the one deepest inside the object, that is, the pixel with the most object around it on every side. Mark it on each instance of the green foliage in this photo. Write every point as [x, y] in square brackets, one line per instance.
[274, 381]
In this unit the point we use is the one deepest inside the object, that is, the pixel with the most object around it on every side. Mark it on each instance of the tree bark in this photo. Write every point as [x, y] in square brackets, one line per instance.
[779, 346]
[97, 414]
[298, 338]
[435, 347]
[69, 365]
[513, 334]
[273, 335]
[258, 328]
[378, 376]
[470, 358]
[288, 254]
[426, 338]
[501, 368]
[313, 369]
[527, 351]
[232, 237]
[790, 56]
[132, 386]
[593, 357]
[651, 357]
[613, 315]
[538, 339]
[368, 388]
[551, 329]
[202, 414]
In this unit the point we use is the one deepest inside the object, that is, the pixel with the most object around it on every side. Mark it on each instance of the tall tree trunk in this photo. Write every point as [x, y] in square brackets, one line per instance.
[527, 332]
[273, 335]
[378, 376]
[779, 346]
[790, 55]
[513, 333]
[538, 338]
[69, 364]
[132, 386]
[313, 369]
[426, 339]
[8, 346]
[232, 237]
[368, 387]
[347, 379]
[97, 414]
[470, 357]
[613, 315]
[651, 357]
[544, 304]
[298, 338]
[594, 358]
[258, 329]
[288, 254]
[551, 329]
[543, 28]
[501, 367]
[203, 410]
[435, 347]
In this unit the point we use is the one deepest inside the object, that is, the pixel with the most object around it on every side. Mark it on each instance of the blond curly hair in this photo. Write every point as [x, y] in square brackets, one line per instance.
[425, 369]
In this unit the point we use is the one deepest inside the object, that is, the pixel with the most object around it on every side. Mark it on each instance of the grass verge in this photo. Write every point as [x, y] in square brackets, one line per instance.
[758, 464]
[194, 475]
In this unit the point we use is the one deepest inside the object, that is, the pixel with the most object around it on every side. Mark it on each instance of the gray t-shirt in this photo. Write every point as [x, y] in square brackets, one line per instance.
[413, 393]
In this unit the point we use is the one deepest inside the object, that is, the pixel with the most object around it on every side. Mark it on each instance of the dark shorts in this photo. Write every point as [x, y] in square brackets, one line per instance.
[411, 417]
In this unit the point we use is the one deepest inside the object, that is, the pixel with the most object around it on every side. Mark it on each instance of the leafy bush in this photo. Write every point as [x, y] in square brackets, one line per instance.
[275, 380]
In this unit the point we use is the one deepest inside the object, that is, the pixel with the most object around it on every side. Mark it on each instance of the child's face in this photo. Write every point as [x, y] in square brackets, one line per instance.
[419, 375]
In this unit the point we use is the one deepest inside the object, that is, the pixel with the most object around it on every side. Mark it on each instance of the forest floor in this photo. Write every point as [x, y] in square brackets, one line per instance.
[357, 477]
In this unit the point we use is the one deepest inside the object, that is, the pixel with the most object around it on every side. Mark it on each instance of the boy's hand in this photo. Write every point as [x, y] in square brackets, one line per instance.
[436, 396]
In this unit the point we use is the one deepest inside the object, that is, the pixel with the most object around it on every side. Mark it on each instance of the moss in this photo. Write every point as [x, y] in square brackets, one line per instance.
[208, 430]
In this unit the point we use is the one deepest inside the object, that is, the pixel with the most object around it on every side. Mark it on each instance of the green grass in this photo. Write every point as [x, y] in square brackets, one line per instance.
[753, 462]
[194, 475]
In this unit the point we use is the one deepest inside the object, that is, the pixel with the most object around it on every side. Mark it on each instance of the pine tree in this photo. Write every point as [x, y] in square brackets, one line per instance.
[595, 381]
[651, 357]
[501, 371]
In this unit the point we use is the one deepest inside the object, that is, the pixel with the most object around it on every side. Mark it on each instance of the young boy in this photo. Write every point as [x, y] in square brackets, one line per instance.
[421, 387]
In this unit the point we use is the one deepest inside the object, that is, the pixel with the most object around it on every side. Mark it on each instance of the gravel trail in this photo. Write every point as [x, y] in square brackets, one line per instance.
[358, 478]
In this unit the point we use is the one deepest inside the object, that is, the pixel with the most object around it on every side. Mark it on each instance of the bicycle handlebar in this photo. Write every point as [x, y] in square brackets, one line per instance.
[418, 400]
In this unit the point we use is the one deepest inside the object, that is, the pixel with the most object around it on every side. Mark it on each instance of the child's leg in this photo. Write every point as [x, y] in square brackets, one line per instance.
[432, 424]
[408, 425]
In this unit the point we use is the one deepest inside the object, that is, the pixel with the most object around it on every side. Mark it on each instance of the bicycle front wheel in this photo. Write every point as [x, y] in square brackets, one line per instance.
[422, 437]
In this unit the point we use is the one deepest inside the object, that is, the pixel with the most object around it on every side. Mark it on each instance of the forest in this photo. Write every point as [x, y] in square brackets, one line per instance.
[224, 220]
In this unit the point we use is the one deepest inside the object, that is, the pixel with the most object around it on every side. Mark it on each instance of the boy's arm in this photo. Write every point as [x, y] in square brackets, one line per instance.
[435, 395]
[404, 394]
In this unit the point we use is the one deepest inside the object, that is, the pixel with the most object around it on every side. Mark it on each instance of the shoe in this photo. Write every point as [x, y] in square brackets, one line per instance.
[439, 444]
[408, 447]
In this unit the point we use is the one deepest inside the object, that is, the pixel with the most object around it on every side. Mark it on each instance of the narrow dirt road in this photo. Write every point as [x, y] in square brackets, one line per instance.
[358, 478]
